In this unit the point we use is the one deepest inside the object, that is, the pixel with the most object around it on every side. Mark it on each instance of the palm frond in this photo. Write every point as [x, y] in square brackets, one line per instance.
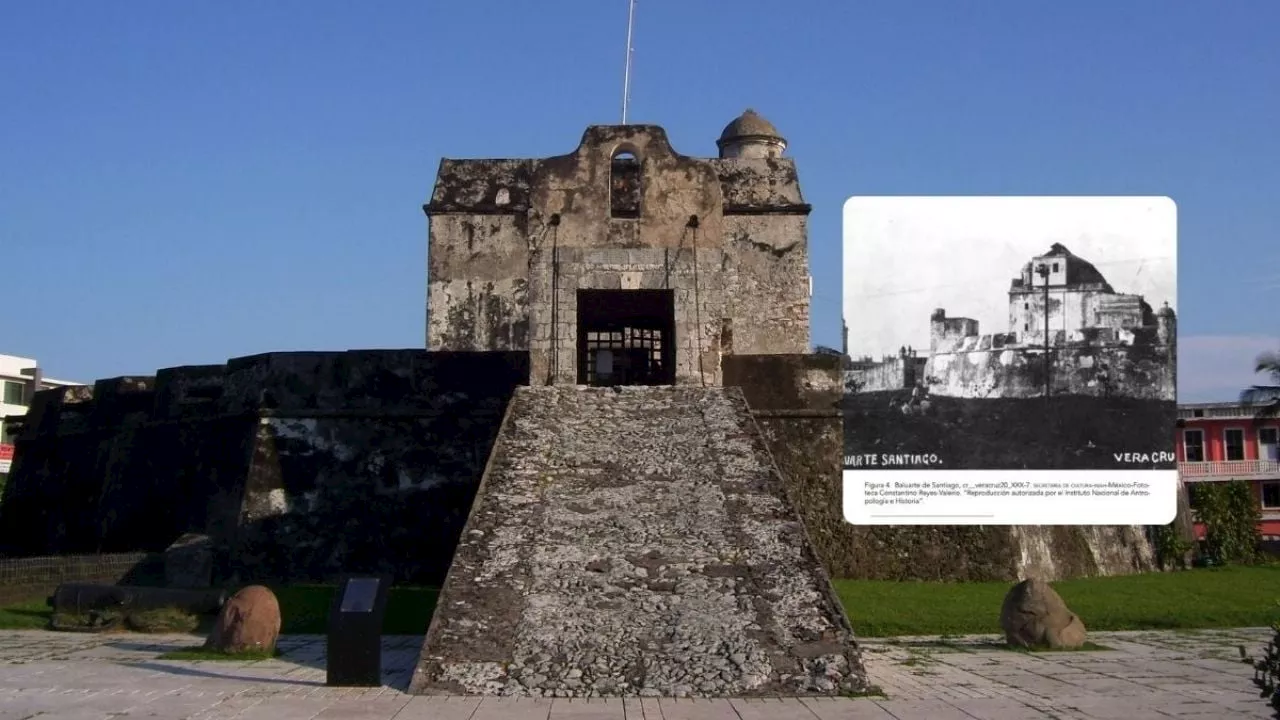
[1269, 364]
[1263, 399]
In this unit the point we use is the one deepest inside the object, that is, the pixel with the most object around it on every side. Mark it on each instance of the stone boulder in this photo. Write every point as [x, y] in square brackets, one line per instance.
[188, 562]
[249, 622]
[1035, 616]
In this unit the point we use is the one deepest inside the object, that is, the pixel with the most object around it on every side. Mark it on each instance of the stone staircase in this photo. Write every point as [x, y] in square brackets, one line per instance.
[635, 542]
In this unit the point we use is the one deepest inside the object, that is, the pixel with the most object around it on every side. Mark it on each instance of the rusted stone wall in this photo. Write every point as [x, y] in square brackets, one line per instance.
[298, 465]
[513, 241]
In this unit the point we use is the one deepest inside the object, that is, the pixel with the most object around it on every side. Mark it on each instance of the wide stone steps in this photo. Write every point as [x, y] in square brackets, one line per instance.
[635, 541]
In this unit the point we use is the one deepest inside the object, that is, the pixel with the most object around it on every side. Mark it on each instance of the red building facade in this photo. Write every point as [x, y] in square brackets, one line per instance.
[1221, 442]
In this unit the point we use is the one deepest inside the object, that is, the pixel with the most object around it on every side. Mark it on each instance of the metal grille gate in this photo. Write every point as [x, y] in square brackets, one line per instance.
[635, 357]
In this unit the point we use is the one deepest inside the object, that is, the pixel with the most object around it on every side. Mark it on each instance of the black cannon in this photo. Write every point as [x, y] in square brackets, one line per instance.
[82, 599]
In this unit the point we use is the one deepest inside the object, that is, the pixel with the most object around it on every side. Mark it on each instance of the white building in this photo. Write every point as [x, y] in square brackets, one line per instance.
[19, 377]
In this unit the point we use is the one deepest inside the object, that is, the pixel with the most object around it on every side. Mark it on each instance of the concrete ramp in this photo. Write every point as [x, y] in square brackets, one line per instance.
[635, 541]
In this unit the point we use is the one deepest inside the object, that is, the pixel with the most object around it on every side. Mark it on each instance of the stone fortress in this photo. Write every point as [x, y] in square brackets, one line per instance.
[589, 457]
[635, 538]
[623, 249]
[1100, 342]
[904, 369]
[616, 454]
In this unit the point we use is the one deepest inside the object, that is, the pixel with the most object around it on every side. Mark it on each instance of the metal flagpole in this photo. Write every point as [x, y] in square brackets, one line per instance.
[626, 74]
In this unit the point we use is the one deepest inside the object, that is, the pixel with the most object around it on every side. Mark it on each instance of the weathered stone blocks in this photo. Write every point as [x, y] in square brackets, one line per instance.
[636, 541]
[746, 253]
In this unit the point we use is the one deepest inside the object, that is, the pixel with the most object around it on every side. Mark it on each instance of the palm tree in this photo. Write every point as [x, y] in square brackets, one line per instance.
[1265, 399]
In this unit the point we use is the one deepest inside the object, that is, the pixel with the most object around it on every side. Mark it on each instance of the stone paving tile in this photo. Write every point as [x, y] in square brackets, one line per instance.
[513, 709]
[835, 709]
[771, 709]
[697, 709]
[998, 709]
[1192, 676]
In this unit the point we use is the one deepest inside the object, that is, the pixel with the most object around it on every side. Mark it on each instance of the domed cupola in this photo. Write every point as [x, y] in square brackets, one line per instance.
[750, 136]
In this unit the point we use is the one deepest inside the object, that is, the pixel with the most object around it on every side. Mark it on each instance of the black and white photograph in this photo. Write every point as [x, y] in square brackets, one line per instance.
[1005, 333]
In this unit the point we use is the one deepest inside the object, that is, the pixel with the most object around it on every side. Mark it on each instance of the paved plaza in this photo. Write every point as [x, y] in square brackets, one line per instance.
[56, 676]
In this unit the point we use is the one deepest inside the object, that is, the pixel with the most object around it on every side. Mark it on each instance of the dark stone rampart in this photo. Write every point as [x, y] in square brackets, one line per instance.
[298, 465]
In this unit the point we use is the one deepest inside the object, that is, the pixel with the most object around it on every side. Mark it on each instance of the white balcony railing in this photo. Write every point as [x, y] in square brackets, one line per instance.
[1230, 470]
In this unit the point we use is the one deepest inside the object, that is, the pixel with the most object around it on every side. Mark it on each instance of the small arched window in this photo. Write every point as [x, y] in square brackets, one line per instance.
[624, 186]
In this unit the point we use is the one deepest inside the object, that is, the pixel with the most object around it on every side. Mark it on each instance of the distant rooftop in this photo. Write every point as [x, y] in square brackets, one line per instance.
[1209, 405]
[12, 366]
[1079, 270]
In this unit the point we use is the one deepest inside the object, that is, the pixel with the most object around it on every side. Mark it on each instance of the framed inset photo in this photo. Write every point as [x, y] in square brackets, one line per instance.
[1010, 334]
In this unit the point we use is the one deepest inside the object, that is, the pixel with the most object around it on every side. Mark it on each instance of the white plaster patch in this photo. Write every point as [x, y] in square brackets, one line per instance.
[277, 503]
[819, 380]
[306, 430]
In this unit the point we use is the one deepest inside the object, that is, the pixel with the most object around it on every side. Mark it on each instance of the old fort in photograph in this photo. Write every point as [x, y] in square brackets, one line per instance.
[1099, 341]
[1081, 371]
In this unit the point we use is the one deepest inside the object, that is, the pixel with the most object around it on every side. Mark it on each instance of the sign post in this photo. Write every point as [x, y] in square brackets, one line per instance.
[355, 632]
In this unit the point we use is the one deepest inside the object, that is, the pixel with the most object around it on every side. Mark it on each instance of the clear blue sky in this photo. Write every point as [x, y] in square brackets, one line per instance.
[185, 182]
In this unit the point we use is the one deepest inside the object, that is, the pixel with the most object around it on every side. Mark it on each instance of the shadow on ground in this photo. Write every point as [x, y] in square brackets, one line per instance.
[397, 662]
[201, 670]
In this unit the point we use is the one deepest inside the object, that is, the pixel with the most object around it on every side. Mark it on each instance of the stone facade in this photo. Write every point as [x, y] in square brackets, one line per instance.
[1079, 297]
[719, 245]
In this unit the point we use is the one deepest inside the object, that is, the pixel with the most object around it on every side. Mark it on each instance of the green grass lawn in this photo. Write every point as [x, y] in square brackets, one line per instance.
[31, 614]
[1194, 599]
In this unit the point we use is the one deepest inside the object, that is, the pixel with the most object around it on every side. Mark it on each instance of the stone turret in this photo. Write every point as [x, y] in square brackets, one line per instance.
[750, 136]
[1166, 325]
